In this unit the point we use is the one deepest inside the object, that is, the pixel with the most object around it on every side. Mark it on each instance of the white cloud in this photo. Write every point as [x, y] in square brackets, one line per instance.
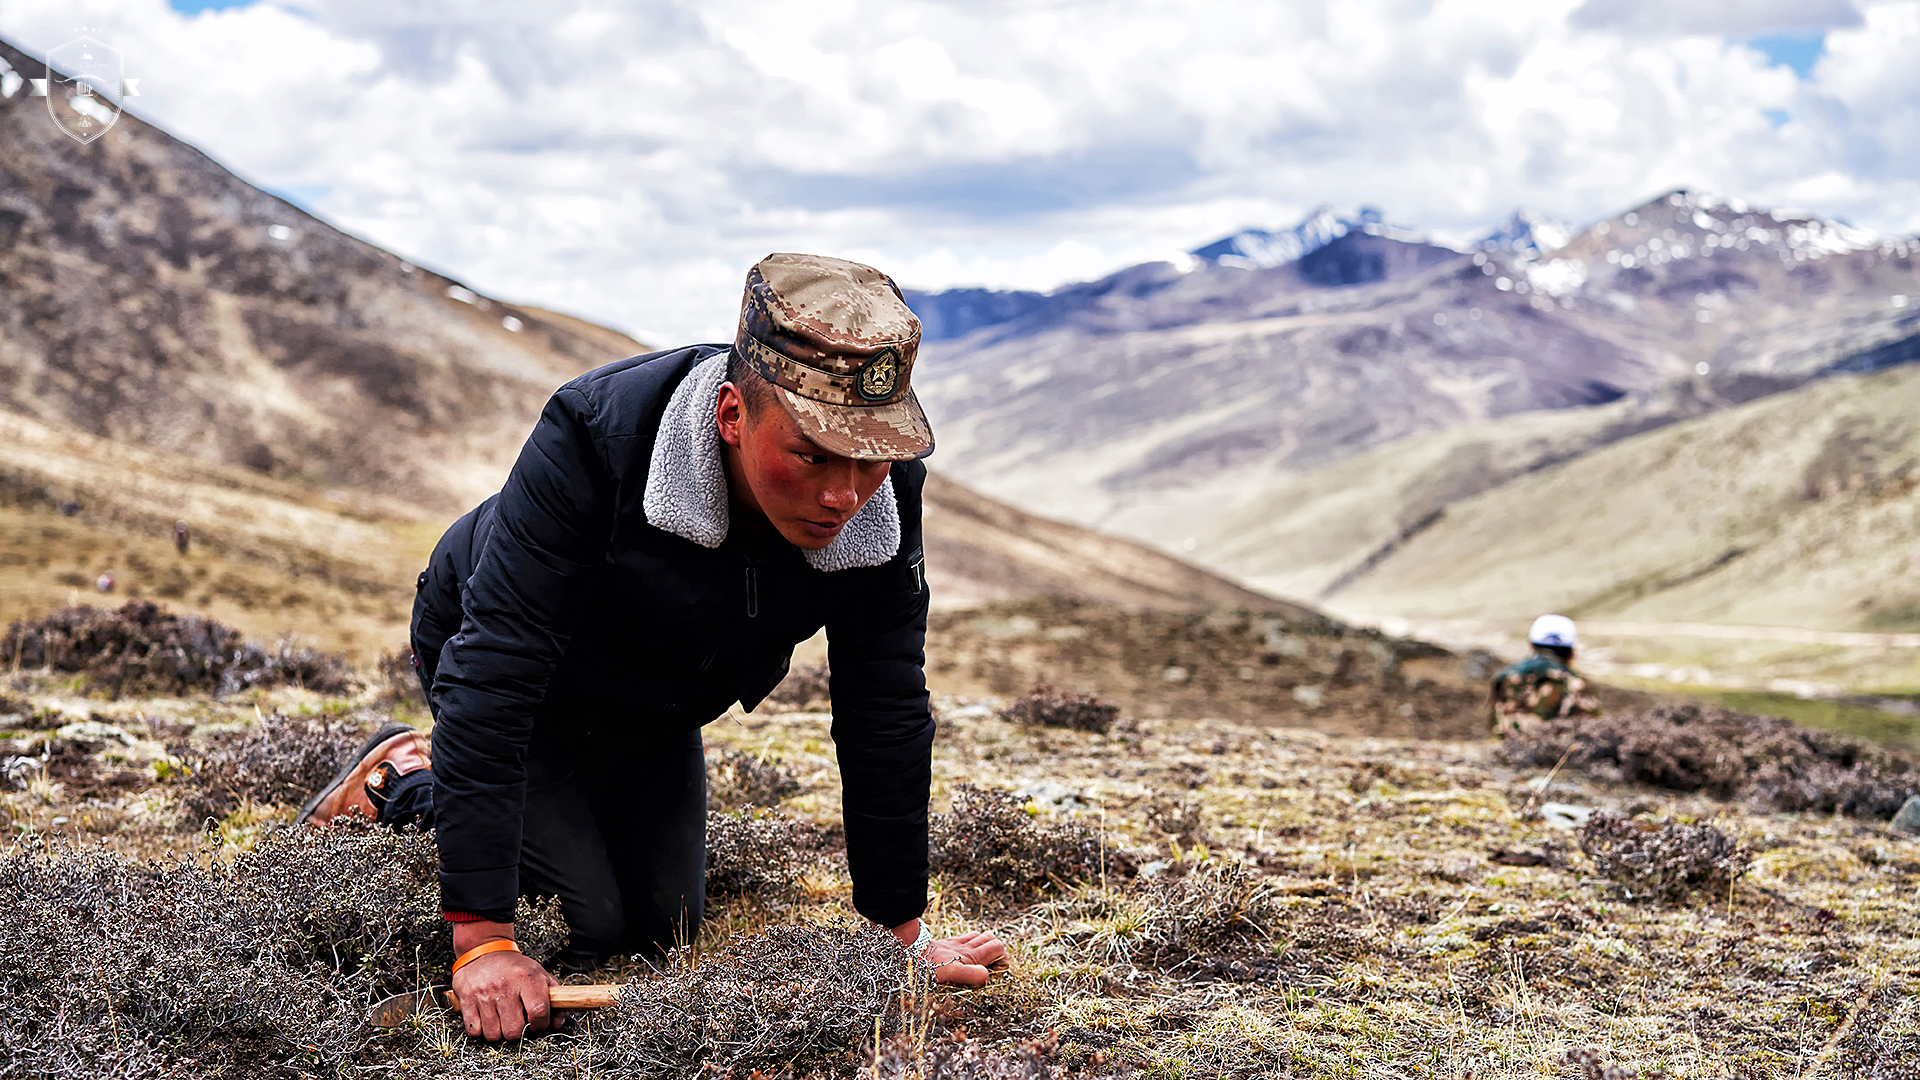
[1737, 17]
[629, 162]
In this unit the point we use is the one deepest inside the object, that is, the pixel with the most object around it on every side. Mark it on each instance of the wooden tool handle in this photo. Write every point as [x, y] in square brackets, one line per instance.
[601, 996]
[583, 997]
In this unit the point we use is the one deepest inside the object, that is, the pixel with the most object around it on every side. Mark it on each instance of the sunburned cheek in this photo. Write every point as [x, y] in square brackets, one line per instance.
[786, 485]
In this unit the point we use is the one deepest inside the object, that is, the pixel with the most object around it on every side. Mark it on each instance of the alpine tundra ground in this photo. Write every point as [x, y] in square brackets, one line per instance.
[1183, 897]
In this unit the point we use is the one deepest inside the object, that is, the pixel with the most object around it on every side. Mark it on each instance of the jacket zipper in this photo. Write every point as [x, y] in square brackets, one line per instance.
[753, 592]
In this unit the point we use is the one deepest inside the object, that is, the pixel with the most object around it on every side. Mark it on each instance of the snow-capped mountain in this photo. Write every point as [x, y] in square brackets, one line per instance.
[1251, 249]
[1527, 232]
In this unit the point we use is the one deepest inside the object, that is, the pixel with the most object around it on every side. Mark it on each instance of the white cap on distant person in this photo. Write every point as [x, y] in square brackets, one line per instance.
[1554, 630]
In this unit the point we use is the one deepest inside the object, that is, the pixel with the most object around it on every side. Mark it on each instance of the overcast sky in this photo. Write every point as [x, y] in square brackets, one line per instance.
[628, 162]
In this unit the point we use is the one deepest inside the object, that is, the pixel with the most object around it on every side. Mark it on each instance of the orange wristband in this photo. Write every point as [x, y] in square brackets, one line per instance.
[479, 951]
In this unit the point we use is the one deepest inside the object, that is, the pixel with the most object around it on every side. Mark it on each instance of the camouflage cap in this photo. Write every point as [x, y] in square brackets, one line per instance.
[836, 340]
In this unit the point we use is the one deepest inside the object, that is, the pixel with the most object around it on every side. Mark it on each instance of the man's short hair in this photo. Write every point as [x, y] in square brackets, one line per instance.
[1564, 652]
[755, 391]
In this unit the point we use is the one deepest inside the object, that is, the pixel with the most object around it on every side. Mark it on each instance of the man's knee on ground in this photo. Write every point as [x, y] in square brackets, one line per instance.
[596, 930]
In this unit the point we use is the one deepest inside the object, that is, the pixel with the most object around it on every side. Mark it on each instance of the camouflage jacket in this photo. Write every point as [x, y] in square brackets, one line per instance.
[1536, 689]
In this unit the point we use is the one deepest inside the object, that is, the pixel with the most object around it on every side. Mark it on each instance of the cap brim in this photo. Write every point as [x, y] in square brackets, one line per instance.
[896, 432]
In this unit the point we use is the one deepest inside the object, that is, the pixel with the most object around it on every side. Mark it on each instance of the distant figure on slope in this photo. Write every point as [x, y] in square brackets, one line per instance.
[182, 539]
[1543, 686]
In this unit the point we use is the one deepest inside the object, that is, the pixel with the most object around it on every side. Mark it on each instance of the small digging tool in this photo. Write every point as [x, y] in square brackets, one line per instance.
[396, 1010]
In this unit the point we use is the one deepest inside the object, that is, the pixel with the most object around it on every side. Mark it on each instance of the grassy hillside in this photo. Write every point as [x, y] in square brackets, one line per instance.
[1797, 510]
[267, 556]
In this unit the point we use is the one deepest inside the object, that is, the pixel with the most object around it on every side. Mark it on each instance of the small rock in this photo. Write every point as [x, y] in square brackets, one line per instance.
[1908, 819]
[96, 731]
[1153, 869]
[1565, 815]
[970, 712]
[1310, 696]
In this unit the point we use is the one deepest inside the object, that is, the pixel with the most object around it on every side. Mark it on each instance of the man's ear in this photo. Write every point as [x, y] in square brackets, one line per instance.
[730, 415]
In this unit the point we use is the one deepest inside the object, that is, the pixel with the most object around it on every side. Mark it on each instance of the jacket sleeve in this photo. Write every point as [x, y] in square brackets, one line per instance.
[882, 722]
[551, 524]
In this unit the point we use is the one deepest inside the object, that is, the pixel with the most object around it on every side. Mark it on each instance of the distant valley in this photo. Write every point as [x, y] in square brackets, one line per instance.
[1343, 411]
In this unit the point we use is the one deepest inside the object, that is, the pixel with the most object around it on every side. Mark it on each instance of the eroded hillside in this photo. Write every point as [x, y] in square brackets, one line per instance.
[154, 298]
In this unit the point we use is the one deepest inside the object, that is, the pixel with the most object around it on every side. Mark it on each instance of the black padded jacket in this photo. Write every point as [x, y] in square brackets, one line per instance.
[584, 629]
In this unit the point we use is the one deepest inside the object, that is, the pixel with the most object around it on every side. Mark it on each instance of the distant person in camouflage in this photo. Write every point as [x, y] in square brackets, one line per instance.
[1543, 686]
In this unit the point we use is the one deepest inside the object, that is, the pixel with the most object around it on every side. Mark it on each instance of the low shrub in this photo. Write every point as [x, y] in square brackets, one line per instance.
[399, 680]
[1667, 861]
[1773, 763]
[788, 998]
[736, 779]
[270, 959]
[141, 648]
[806, 686]
[1213, 907]
[1046, 707]
[283, 760]
[764, 854]
[990, 838]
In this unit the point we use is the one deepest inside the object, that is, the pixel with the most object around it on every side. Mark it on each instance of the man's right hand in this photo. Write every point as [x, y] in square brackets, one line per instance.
[503, 995]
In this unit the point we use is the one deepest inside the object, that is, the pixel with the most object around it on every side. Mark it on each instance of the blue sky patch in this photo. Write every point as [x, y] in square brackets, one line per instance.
[195, 7]
[1776, 117]
[1797, 51]
[1019, 187]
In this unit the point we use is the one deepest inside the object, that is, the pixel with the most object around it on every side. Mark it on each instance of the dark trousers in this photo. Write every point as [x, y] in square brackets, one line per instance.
[619, 836]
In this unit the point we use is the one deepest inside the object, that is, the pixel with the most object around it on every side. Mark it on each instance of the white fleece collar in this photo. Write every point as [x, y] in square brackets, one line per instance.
[687, 482]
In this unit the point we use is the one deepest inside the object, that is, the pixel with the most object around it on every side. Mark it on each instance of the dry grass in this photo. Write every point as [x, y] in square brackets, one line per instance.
[1335, 909]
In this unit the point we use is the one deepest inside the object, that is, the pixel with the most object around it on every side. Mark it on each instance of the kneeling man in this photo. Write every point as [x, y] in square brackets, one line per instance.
[675, 524]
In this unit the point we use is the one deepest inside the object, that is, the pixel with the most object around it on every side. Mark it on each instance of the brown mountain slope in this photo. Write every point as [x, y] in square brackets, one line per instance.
[150, 296]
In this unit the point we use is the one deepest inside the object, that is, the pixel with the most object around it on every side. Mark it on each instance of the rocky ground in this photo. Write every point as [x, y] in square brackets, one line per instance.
[1183, 896]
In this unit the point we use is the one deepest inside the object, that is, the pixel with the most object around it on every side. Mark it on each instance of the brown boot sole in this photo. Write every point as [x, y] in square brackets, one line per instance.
[367, 749]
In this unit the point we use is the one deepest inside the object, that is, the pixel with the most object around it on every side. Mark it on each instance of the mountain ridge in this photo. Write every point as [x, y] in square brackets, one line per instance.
[1172, 407]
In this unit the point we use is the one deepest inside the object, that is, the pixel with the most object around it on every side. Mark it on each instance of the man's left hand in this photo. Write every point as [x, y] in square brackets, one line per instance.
[966, 960]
